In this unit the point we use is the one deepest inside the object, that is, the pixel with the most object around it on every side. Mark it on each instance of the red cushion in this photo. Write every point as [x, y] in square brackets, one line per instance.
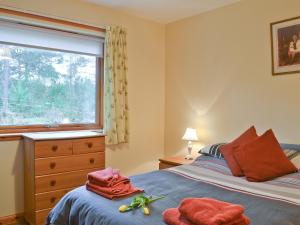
[263, 159]
[228, 149]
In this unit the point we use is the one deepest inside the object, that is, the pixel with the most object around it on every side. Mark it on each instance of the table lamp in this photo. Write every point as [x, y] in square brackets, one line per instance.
[190, 135]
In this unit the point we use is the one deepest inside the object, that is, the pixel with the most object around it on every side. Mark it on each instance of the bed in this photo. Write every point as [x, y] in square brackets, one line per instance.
[275, 202]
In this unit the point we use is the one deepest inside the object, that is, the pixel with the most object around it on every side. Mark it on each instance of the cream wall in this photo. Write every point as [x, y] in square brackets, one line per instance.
[218, 75]
[146, 48]
[218, 80]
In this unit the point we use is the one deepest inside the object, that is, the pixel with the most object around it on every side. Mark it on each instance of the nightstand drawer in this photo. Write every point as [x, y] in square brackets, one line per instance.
[69, 163]
[61, 181]
[165, 166]
[88, 145]
[45, 149]
[168, 162]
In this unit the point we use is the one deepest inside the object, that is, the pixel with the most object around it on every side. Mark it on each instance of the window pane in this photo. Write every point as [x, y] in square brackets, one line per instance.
[42, 87]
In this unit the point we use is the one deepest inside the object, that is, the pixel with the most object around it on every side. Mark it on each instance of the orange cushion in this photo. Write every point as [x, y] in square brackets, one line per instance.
[228, 149]
[263, 159]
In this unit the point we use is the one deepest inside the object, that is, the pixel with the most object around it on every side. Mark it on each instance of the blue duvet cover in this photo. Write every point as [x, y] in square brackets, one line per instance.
[275, 202]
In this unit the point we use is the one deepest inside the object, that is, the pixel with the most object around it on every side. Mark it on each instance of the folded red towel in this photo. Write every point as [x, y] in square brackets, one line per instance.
[173, 217]
[207, 211]
[117, 191]
[107, 177]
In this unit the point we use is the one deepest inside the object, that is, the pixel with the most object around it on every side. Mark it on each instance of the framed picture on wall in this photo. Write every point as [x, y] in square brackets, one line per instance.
[285, 37]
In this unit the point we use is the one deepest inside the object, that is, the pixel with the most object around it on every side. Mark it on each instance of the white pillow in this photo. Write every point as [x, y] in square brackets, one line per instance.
[293, 156]
[296, 161]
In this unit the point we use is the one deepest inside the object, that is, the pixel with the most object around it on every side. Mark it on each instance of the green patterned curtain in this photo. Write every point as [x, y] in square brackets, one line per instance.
[115, 102]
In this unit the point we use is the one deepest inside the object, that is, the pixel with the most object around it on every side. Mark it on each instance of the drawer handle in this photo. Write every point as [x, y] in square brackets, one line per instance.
[52, 165]
[52, 200]
[52, 183]
[90, 145]
[54, 148]
[92, 161]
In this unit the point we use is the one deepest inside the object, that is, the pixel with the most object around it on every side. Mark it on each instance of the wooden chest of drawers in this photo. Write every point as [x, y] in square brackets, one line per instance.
[53, 167]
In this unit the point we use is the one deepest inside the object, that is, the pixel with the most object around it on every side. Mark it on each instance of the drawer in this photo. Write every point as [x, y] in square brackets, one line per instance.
[49, 199]
[53, 148]
[165, 166]
[41, 216]
[87, 145]
[61, 181]
[45, 166]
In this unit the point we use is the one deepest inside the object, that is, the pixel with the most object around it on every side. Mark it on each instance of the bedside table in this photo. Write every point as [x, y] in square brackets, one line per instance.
[172, 161]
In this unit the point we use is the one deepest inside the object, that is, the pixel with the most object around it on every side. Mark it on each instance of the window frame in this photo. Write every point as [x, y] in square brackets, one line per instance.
[99, 84]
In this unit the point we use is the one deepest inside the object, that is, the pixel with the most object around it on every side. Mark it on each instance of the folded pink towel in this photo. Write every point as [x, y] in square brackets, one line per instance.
[117, 191]
[110, 184]
[207, 211]
[107, 177]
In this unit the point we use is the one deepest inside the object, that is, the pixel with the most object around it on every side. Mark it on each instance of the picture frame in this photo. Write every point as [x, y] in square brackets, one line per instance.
[285, 45]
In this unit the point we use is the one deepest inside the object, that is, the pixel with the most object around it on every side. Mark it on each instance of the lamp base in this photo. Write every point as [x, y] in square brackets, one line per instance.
[189, 157]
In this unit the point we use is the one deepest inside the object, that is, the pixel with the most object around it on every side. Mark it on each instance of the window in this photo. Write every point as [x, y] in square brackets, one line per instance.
[50, 79]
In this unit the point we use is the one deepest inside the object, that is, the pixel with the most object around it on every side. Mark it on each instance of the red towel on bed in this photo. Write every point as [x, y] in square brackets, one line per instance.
[110, 184]
[107, 177]
[207, 211]
[117, 191]
[173, 217]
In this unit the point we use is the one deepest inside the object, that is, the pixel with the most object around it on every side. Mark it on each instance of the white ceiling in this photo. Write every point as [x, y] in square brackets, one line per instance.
[163, 11]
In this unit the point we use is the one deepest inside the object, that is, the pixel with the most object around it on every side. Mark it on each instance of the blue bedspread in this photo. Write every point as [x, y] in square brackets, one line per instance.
[81, 207]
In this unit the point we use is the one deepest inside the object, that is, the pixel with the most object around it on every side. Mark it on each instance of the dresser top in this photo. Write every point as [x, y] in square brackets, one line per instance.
[62, 135]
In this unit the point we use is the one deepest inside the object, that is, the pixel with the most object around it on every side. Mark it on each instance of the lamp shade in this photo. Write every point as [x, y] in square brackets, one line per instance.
[190, 135]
